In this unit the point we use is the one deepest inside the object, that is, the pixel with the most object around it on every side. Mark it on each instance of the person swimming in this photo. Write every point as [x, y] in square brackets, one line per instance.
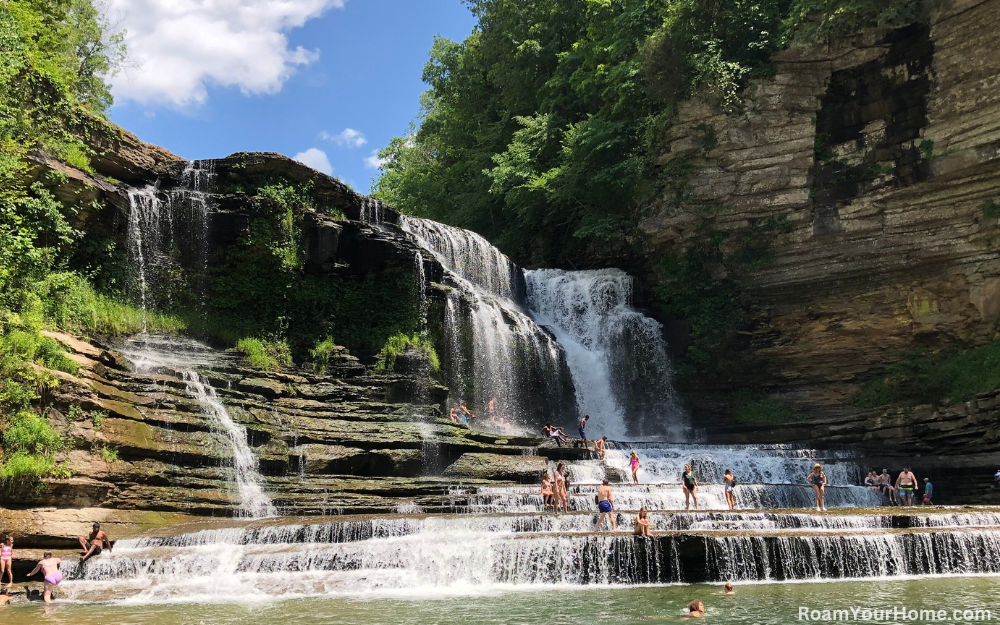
[728, 589]
[50, 569]
[696, 608]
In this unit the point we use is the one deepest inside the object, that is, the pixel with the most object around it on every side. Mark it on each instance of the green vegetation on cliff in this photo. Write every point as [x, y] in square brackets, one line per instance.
[922, 378]
[543, 131]
[54, 58]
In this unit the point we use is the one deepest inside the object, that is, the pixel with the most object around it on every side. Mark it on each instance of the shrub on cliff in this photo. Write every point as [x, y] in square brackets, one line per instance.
[399, 344]
[265, 355]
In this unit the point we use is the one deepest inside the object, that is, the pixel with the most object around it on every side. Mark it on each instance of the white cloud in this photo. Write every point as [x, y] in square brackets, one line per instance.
[315, 158]
[348, 137]
[374, 162]
[180, 47]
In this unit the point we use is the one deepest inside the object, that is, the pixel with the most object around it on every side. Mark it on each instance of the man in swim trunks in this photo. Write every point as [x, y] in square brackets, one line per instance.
[599, 446]
[605, 505]
[583, 430]
[95, 543]
[906, 483]
[50, 569]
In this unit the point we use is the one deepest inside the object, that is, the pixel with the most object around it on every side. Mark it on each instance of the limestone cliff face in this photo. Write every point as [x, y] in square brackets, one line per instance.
[345, 440]
[878, 156]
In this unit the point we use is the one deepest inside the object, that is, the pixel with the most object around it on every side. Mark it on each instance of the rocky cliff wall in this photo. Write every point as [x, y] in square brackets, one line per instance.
[877, 156]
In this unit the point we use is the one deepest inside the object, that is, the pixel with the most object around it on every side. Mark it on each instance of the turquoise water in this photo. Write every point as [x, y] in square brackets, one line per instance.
[763, 604]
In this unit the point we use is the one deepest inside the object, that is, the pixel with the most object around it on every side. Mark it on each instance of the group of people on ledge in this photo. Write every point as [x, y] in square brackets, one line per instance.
[460, 414]
[903, 490]
[92, 545]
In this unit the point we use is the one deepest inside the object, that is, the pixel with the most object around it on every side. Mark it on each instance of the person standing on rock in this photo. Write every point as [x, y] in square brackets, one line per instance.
[7, 560]
[95, 543]
[728, 484]
[604, 505]
[928, 492]
[887, 487]
[633, 462]
[690, 486]
[906, 484]
[817, 479]
[583, 431]
[560, 490]
[50, 569]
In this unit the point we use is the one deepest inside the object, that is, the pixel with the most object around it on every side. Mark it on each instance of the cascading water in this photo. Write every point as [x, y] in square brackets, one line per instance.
[492, 342]
[617, 355]
[151, 354]
[443, 555]
[151, 234]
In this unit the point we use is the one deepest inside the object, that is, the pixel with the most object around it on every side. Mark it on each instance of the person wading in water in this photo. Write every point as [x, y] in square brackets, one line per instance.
[728, 484]
[906, 484]
[605, 505]
[560, 490]
[690, 486]
[49, 567]
[599, 446]
[817, 479]
[633, 462]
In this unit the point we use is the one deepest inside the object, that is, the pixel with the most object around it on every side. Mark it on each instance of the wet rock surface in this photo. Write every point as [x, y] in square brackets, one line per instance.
[326, 443]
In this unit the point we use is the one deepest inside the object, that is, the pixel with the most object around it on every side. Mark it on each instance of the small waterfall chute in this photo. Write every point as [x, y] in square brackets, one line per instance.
[617, 355]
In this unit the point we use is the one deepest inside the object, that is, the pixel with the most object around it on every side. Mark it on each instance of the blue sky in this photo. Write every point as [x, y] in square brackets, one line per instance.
[343, 83]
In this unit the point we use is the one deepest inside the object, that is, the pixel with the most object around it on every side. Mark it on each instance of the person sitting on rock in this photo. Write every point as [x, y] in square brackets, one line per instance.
[641, 522]
[453, 414]
[95, 543]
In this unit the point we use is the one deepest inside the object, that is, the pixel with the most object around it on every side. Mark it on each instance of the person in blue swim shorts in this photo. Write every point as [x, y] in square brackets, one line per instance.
[605, 506]
[583, 431]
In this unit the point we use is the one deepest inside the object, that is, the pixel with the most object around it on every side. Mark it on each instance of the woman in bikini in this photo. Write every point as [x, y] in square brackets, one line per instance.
[728, 482]
[817, 479]
[690, 486]
[560, 491]
[634, 463]
[547, 499]
[642, 523]
[7, 560]
[50, 569]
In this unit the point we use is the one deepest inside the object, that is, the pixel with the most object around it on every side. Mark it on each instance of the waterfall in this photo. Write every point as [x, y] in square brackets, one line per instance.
[493, 343]
[152, 235]
[446, 555]
[253, 502]
[179, 356]
[142, 240]
[616, 354]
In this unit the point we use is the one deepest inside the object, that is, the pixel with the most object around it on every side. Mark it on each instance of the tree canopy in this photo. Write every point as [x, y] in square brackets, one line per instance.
[541, 129]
